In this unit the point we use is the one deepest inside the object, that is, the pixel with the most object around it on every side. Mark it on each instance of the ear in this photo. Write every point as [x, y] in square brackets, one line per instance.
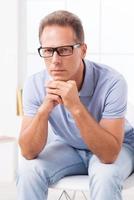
[83, 50]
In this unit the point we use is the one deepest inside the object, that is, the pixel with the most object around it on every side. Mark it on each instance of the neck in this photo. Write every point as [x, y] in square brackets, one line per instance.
[80, 80]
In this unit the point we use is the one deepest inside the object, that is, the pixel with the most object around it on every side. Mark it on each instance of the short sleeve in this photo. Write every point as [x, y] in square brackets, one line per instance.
[30, 100]
[116, 99]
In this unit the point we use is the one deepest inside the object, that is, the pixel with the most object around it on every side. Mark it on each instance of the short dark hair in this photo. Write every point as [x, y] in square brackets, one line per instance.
[65, 19]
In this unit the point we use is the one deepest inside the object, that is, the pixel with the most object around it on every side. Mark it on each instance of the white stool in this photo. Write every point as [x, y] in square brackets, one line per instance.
[81, 183]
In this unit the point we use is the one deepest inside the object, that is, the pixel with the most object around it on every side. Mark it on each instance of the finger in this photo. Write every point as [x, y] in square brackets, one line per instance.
[53, 91]
[54, 97]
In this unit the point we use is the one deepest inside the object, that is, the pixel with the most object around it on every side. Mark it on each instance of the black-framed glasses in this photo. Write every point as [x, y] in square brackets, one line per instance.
[66, 50]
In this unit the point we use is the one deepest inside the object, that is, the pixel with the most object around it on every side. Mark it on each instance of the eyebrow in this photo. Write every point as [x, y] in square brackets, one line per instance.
[68, 45]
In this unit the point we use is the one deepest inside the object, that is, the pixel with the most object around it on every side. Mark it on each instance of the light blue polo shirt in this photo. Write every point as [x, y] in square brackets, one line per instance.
[104, 93]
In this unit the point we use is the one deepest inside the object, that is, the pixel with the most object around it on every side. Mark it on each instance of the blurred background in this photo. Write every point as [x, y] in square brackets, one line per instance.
[109, 32]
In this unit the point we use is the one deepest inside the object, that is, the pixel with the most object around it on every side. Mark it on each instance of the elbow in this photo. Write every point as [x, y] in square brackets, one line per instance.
[25, 152]
[28, 156]
[109, 158]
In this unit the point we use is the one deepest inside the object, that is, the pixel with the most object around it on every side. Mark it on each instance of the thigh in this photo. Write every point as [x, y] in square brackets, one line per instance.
[57, 160]
[122, 167]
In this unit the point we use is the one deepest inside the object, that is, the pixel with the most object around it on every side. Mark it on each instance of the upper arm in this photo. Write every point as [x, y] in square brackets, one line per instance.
[115, 104]
[113, 116]
[31, 98]
[115, 127]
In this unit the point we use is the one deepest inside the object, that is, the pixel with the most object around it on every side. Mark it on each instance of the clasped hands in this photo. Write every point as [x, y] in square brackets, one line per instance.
[61, 92]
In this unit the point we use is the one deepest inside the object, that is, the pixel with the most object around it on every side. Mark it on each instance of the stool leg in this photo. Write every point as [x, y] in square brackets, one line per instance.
[84, 195]
[65, 194]
[61, 195]
[74, 195]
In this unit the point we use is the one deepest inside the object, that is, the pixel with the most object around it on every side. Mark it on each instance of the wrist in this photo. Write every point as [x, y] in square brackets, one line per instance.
[76, 109]
[43, 111]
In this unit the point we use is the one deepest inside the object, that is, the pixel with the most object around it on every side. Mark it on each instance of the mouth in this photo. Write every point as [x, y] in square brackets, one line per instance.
[57, 71]
[58, 74]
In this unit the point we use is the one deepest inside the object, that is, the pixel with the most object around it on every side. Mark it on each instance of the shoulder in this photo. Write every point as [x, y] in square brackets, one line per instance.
[36, 81]
[104, 73]
[36, 78]
[34, 85]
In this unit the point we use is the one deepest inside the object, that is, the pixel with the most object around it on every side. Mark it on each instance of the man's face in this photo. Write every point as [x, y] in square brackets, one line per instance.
[62, 67]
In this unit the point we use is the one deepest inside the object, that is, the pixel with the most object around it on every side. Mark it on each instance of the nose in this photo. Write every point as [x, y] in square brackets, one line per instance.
[56, 57]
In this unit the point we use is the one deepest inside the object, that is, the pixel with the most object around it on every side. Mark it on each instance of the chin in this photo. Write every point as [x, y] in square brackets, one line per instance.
[60, 78]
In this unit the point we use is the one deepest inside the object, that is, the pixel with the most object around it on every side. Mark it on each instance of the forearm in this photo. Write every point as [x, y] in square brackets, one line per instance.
[101, 142]
[34, 137]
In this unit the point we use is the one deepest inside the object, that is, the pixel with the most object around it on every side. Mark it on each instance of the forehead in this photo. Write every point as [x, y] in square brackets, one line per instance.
[57, 36]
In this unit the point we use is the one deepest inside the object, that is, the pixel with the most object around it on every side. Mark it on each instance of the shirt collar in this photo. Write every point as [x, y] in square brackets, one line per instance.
[88, 83]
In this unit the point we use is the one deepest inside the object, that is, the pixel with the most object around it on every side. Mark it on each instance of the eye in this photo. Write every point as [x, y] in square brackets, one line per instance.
[65, 50]
[47, 50]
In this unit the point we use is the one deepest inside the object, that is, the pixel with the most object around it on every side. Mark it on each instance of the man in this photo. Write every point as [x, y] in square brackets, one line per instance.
[85, 104]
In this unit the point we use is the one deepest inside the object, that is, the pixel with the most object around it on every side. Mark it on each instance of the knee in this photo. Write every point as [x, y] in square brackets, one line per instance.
[27, 167]
[30, 170]
[104, 174]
